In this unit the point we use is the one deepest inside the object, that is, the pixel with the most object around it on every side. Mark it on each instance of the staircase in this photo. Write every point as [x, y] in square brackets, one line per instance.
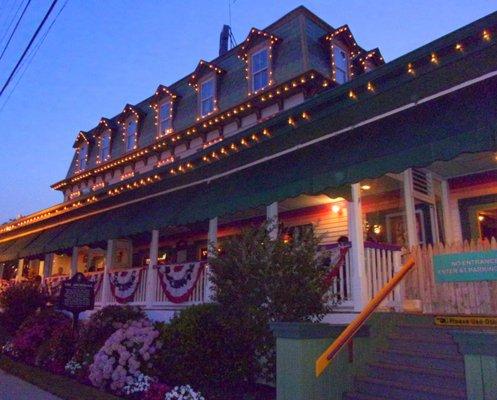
[420, 362]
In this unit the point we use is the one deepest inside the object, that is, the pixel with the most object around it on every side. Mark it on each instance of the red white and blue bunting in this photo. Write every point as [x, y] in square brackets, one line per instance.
[123, 284]
[54, 284]
[97, 280]
[179, 281]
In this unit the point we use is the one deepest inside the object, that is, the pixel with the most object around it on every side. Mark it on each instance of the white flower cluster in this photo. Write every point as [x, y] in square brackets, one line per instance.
[184, 392]
[137, 384]
[73, 366]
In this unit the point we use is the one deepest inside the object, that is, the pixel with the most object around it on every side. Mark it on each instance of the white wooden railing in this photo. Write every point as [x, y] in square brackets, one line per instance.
[140, 295]
[382, 261]
[341, 284]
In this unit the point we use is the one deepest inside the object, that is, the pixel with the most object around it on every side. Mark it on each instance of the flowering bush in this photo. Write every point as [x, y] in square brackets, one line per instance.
[125, 355]
[184, 392]
[19, 301]
[73, 367]
[98, 329]
[157, 391]
[36, 330]
[139, 384]
[57, 350]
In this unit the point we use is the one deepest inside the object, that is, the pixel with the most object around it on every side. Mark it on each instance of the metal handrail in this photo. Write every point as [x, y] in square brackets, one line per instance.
[325, 359]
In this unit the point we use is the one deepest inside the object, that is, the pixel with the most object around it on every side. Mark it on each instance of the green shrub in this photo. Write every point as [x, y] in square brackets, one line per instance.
[259, 281]
[100, 326]
[18, 302]
[206, 348]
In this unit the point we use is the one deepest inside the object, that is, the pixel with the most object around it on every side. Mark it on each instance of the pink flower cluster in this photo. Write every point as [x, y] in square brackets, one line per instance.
[124, 355]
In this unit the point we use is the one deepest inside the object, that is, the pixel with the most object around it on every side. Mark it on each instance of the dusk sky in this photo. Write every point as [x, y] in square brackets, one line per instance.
[101, 55]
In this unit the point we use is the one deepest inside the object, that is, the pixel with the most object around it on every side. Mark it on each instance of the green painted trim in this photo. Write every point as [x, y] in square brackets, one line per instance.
[476, 342]
[309, 330]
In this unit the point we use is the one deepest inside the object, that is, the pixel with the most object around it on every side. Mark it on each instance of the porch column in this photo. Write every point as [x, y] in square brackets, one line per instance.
[272, 219]
[2, 268]
[359, 284]
[20, 265]
[211, 252]
[412, 235]
[48, 265]
[108, 265]
[74, 260]
[449, 238]
[151, 275]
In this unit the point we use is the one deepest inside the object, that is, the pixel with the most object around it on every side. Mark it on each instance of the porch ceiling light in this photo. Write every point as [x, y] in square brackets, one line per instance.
[365, 187]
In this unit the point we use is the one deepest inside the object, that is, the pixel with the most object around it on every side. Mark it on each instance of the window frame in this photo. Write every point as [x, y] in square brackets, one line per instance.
[127, 135]
[252, 54]
[101, 156]
[162, 132]
[82, 161]
[340, 47]
[202, 82]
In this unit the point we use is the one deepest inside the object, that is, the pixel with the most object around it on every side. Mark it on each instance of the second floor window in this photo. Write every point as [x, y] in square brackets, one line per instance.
[165, 120]
[82, 157]
[260, 70]
[129, 141]
[104, 147]
[341, 60]
[207, 97]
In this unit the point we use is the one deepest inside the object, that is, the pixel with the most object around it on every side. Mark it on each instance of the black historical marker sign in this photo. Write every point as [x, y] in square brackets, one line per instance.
[77, 295]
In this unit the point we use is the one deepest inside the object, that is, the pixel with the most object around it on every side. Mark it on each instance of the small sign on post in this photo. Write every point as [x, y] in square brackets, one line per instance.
[76, 296]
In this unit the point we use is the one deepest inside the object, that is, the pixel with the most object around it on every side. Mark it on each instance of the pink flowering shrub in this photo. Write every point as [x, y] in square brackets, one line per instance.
[126, 354]
[57, 350]
[35, 331]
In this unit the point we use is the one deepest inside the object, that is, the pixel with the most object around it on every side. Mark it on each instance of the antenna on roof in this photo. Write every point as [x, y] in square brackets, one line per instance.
[227, 39]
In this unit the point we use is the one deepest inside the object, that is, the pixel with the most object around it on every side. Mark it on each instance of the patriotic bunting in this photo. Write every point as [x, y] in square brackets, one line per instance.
[123, 284]
[179, 281]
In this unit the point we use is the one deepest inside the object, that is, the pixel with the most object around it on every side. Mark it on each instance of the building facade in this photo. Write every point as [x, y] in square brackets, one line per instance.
[298, 124]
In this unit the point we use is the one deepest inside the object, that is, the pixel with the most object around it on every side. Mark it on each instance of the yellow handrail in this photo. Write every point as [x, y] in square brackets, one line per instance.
[325, 359]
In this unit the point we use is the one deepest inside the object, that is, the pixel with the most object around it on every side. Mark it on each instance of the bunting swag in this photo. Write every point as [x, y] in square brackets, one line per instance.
[123, 284]
[97, 280]
[54, 284]
[179, 281]
[335, 256]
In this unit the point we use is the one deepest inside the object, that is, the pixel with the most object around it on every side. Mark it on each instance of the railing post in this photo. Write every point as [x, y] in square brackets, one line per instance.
[359, 284]
[272, 219]
[20, 267]
[74, 260]
[412, 236]
[48, 265]
[154, 254]
[399, 289]
[211, 252]
[448, 235]
[109, 257]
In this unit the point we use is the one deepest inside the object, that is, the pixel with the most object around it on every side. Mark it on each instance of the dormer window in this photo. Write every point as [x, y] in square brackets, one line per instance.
[259, 65]
[207, 97]
[340, 64]
[130, 135]
[104, 147]
[82, 156]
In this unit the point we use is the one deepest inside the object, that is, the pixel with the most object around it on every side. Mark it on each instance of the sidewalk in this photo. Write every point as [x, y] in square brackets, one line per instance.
[12, 388]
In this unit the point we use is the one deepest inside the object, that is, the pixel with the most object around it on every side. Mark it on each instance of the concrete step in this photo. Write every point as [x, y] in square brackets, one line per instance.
[417, 358]
[416, 337]
[406, 391]
[428, 344]
[422, 330]
[418, 375]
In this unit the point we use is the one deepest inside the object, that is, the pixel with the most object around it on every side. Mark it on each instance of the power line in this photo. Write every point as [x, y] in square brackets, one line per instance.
[15, 29]
[28, 46]
[11, 21]
[32, 55]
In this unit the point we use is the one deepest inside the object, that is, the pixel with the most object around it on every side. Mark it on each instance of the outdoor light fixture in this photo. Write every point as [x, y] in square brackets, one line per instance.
[335, 208]
[481, 218]
[365, 187]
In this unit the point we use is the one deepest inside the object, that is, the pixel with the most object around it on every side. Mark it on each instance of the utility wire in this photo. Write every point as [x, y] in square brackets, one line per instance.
[15, 29]
[32, 55]
[28, 47]
[11, 21]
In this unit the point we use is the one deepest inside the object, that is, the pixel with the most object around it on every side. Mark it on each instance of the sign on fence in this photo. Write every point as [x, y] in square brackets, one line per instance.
[468, 321]
[465, 267]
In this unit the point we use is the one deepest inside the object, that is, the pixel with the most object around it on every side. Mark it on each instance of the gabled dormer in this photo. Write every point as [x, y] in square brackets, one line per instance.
[342, 48]
[366, 61]
[129, 123]
[103, 134]
[205, 81]
[163, 102]
[82, 146]
[257, 52]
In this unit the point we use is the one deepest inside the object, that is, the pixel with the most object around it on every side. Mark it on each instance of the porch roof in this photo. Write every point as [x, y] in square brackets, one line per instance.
[397, 127]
